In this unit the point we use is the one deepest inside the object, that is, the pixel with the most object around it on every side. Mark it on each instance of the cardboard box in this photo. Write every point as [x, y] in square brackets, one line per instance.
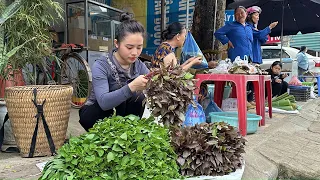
[93, 43]
[105, 44]
[78, 22]
[76, 36]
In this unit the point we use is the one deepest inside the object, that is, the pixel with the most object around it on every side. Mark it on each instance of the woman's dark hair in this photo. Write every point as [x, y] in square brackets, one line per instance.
[303, 48]
[128, 25]
[172, 30]
[276, 63]
[249, 19]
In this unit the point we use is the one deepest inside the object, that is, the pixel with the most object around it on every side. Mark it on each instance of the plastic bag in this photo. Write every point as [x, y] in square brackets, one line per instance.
[239, 62]
[212, 107]
[295, 81]
[222, 68]
[194, 115]
[191, 49]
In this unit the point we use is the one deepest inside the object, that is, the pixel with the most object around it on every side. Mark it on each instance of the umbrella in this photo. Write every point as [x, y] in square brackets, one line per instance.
[293, 15]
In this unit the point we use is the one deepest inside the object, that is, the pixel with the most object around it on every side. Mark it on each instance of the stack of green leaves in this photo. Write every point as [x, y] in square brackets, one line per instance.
[285, 102]
[117, 148]
[169, 93]
[208, 149]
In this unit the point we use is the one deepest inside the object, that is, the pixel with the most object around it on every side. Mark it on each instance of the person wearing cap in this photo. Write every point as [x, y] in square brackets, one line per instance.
[260, 37]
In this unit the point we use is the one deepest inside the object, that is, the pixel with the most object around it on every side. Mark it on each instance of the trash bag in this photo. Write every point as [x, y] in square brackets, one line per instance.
[191, 49]
[212, 107]
[194, 115]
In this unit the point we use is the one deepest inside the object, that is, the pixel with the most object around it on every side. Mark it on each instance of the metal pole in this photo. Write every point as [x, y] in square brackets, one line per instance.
[66, 24]
[215, 22]
[86, 14]
[163, 15]
[283, 2]
[187, 23]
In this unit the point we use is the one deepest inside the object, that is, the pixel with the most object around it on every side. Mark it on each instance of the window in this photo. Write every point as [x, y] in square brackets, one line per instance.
[273, 54]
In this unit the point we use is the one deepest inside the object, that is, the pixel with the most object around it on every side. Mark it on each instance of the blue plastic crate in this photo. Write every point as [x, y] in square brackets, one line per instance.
[302, 88]
[232, 119]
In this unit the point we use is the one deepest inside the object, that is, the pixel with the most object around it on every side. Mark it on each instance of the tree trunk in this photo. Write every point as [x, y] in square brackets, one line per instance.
[220, 22]
[203, 22]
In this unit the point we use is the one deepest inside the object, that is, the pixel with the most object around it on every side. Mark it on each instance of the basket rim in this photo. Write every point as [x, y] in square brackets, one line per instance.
[38, 87]
[253, 117]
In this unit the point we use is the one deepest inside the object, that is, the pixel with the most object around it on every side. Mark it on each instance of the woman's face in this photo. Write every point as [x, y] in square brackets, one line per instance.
[130, 48]
[255, 17]
[276, 69]
[240, 15]
[181, 37]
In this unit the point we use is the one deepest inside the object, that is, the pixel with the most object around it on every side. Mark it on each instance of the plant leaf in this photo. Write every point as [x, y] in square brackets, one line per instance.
[110, 156]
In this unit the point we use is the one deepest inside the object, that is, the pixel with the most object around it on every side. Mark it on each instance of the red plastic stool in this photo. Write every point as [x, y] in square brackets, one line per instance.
[240, 82]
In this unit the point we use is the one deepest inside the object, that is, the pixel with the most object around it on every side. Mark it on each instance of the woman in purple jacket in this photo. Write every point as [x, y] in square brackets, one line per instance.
[119, 78]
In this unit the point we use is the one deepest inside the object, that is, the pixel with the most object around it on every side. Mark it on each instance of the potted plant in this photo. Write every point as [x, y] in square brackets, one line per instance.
[27, 29]
[24, 38]
[6, 13]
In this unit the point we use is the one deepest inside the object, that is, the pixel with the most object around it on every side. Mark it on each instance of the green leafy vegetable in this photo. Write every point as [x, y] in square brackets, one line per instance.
[117, 148]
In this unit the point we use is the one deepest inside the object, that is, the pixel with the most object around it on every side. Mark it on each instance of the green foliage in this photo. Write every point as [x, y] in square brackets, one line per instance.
[208, 149]
[6, 13]
[29, 27]
[117, 148]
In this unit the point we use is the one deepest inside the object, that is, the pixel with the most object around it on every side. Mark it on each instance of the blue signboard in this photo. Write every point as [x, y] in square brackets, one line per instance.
[229, 17]
[176, 12]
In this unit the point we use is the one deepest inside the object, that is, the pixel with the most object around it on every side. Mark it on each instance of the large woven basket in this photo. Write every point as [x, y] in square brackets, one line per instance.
[22, 113]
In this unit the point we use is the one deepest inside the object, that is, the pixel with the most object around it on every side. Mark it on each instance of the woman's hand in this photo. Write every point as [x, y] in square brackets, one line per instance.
[230, 45]
[138, 84]
[284, 75]
[196, 60]
[278, 80]
[190, 62]
[272, 25]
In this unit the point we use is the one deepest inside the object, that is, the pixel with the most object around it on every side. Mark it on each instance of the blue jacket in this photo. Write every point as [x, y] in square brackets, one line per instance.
[303, 61]
[240, 36]
[259, 38]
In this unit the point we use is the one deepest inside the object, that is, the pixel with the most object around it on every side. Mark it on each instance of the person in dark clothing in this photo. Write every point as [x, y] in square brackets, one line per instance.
[279, 86]
[119, 78]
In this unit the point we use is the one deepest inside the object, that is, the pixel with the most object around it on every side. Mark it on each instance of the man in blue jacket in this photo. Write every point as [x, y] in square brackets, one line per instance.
[238, 35]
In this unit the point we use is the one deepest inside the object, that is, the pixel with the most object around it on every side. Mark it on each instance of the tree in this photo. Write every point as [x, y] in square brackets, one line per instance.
[203, 22]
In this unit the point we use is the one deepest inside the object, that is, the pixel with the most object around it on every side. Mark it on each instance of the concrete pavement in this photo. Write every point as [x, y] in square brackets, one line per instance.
[287, 147]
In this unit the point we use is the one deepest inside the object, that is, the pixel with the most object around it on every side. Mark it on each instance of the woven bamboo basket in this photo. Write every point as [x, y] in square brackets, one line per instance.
[22, 114]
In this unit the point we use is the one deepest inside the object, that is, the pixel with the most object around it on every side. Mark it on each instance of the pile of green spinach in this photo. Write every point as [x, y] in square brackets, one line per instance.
[117, 148]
